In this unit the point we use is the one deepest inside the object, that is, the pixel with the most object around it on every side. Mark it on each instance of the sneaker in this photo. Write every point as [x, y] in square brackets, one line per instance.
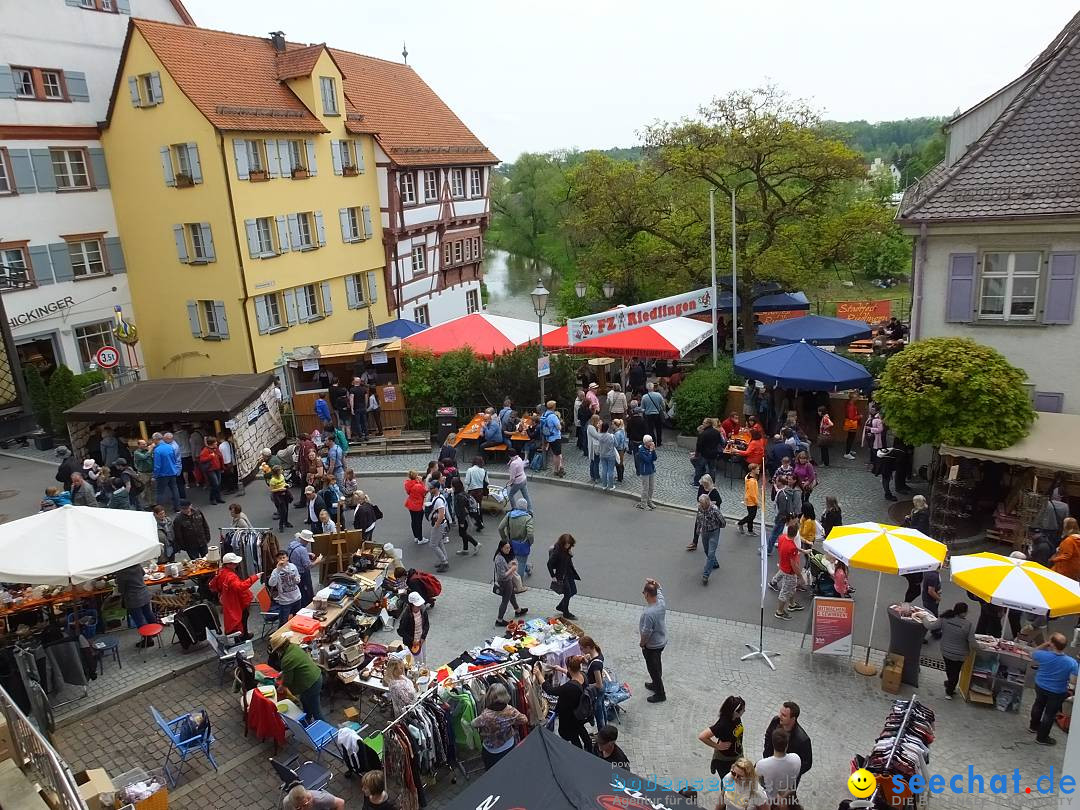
[422, 541]
[785, 617]
[1047, 741]
[890, 497]
[849, 456]
[692, 547]
[1032, 730]
[662, 698]
[568, 615]
[652, 506]
[795, 606]
[640, 506]
[521, 611]
[650, 686]
[948, 696]
[476, 550]
[461, 553]
[704, 580]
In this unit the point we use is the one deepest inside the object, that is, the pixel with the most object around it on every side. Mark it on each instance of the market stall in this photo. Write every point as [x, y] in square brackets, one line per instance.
[817, 330]
[243, 405]
[672, 339]
[802, 366]
[312, 369]
[1008, 485]
[487, 335]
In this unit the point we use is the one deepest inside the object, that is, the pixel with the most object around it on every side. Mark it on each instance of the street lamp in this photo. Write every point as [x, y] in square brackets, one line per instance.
[609, 289]
[579, 289]
[539, 297]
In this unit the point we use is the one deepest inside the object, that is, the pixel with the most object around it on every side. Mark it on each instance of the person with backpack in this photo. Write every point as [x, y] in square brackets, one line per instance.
[583, 413]
[552, 433]
[440, 526]
[464, 505]
[574, 705]
[518, 484]
[654, 408]
[517, 527]
[636, 428]
[476, 484]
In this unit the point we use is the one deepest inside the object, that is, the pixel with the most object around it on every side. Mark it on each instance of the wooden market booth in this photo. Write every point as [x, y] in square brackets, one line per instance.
[309, 368]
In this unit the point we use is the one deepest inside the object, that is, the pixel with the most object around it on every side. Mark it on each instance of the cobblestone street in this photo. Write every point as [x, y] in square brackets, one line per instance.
[842, 712]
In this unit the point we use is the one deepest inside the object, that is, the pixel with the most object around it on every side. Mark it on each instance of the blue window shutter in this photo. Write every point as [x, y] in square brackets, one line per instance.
[114, 255]
[193, 318]
[133, 89]
[23, 170]
[222, 321]
[60, 257]
[43, 170]
[282, 234]
[335, 156]
[358, 148]
[193, 159]
[294, 231]
[240, 153]
[98, 168]
[312, 164]
[343, 218]
[76, 85]
[252, 229]
[351, 293]
[273, 159]
[373, 287]
[290, 307]
[1060, 289]
[262, 315]
[42, 267]
[181, 243]
[155, 84]
[123, 6]
[1049, 402]
[960, 292]
[167, 167]
[328, 309]
[365, 214]
[7, 82]
[284, 155]
[320, 229]
[208, 241]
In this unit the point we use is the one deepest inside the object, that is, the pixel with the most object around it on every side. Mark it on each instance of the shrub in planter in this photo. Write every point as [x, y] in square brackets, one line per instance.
[703, 392]
[38, 394]
[64, 392]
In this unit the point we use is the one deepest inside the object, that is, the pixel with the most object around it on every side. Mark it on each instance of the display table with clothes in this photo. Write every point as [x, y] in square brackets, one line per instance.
[902, 750]
[996, 673]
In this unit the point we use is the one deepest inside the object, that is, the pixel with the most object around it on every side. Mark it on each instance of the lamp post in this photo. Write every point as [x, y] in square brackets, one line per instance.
[579, 289]
[609, 289]
[539, 297]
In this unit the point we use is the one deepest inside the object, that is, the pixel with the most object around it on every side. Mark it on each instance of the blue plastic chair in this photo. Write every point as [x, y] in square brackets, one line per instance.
[87, 620]
[184, 747]
[318, 736]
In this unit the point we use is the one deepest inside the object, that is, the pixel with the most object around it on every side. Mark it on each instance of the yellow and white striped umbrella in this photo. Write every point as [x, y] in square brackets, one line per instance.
[1016, 584]
[885, 549]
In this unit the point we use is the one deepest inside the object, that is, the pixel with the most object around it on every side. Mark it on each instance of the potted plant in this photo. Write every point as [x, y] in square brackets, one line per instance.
[349, 171]
[38, 394]
[257, 176]
[299, 173]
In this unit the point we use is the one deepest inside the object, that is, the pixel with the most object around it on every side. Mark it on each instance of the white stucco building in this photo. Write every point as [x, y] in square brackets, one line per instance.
[59, 244]
[997, 227]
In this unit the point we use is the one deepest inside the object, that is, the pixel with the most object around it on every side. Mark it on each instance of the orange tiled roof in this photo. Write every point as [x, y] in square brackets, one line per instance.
[297, 62]
[231, 78]
[412, 123]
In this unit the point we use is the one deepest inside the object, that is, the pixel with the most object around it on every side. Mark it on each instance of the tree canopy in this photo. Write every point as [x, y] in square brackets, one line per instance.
[955, 391]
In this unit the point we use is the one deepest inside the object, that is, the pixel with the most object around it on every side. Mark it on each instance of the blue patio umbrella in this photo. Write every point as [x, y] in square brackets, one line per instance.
[817, 330]
[398, 328]
[775, 302]
[802, 366]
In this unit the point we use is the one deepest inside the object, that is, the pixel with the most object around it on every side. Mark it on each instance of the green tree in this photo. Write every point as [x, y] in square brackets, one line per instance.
[702, 393]
[955, 391]
[64, 392]
[38, 393]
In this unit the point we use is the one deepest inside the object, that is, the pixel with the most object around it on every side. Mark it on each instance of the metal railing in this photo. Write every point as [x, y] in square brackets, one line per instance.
[116, 379]
[38, 760]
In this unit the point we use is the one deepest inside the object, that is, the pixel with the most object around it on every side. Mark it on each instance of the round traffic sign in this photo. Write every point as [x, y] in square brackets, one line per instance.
[107, 357]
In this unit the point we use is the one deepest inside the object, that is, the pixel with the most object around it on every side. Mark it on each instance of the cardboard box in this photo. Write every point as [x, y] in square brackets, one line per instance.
[352, 713]
[893, 660]
[92, 784]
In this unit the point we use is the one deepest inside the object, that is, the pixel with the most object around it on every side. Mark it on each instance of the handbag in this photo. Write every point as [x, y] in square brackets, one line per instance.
[851, 424]
[556, 585]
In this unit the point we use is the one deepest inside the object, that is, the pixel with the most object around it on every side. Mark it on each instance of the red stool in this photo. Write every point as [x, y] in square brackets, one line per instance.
[151, 634]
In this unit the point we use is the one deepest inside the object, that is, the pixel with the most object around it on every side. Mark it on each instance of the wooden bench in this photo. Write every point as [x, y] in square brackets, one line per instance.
[861, 347]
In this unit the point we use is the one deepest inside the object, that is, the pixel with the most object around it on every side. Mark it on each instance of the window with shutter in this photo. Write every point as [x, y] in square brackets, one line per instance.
[22, 170]
[431, 185]
[352, 291]
[192, 152]
[264, 238]
[76, 85]
[327, 304]
[99, 172]
[167, 166]
[7, 183]
[336, 160]
[14, 268]
[69, 169]
[1009, 285]
[114, 255]
[181, 243]
[1060, 289]
[373, 286]
[194, 321]
[328, 88]
[420, 315]
[365, 213]
[7, 82]
[408, 189]
[87, 258]
[476, 183]
[311, 164]
[350, 224]
[320, 228]
[240, 151]
[282, 233]
[457, 183]
[960, 293]
[292, 314]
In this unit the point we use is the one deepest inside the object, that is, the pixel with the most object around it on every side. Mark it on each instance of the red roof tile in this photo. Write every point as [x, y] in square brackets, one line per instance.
[412, 123]
[297, 62]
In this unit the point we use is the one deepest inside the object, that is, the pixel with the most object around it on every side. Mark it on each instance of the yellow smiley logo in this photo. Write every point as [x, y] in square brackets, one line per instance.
[862, 784]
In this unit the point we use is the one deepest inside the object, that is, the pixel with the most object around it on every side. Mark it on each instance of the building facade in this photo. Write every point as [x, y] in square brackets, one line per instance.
[61, 257]
[996, 227]
[248, 208]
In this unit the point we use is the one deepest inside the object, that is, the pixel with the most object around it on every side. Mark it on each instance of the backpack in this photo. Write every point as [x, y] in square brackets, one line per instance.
[429, 582]
[552, 426]
[536, 463]
[584, 412]
[435, 507]
[584, 711]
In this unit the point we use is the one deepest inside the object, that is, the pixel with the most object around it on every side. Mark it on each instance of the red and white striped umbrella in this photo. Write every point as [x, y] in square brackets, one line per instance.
[487, 335]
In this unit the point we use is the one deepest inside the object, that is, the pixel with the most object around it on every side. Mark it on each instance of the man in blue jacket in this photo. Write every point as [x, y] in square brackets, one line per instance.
[552, 427]
[166, 469]
[322, 410]
[492, 432]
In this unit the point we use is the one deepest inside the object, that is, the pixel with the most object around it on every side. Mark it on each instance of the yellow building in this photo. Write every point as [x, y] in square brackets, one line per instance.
[245, 191]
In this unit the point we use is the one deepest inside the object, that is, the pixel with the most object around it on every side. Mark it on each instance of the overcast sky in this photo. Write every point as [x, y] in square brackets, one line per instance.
[589, 73]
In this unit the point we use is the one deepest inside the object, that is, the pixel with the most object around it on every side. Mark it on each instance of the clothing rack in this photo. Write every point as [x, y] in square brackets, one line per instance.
[426, 694]
[900, 730]
[247, 541]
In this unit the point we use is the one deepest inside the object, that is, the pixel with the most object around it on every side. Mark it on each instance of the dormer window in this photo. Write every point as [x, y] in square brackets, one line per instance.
[328, 88]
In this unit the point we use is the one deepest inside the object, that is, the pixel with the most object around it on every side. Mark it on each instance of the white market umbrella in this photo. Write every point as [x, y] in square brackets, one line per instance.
[1016, 584]
[75, 544]
[886, 549]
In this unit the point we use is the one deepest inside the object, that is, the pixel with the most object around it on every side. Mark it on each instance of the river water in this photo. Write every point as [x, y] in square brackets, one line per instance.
[510, 278]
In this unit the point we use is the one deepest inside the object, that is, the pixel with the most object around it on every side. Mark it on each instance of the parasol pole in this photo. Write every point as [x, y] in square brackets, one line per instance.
[712, 253]
[759, 651]
[866, 668]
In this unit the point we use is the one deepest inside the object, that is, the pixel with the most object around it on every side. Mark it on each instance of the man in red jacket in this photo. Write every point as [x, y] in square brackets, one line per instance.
[212, 464]
[234, 593]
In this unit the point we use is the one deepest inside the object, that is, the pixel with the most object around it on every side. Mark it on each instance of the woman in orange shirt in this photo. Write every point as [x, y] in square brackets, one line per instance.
[1067, 559]
[750, 498]
[755, 450]
[851, 424]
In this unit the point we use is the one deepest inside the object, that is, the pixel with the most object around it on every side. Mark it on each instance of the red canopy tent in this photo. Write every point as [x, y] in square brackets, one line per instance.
[669, 340]
[487, 335]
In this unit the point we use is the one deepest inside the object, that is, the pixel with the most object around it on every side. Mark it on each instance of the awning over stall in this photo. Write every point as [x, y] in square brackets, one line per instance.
[1050, 445]
[189, 398]
[487, 335]
[671, 339]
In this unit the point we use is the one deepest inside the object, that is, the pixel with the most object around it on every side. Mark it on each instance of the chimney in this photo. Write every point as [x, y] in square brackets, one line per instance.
[277, 39]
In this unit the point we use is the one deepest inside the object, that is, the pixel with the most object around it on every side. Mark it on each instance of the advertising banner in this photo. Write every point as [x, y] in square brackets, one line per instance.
[833, 623]
[870, 311]
[626, 318]
[781, 315]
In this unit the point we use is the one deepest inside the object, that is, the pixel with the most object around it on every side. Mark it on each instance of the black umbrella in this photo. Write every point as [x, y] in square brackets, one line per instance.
[546, 772]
